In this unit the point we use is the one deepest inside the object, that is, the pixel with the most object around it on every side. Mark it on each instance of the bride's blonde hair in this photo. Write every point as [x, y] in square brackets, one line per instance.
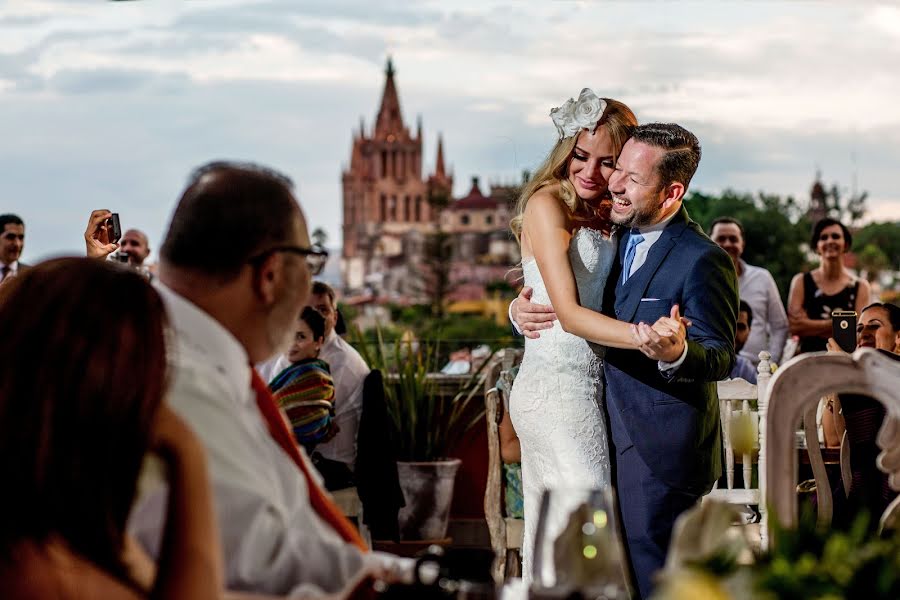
[618, 119]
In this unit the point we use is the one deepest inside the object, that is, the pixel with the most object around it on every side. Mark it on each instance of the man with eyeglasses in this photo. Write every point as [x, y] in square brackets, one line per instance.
[234, 274]
[12, 242]
[743, 368]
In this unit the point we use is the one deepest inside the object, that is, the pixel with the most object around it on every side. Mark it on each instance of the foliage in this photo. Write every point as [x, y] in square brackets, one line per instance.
[884, 236]
[426, 421]
[775, 229]
[813, 562]
[872, 260]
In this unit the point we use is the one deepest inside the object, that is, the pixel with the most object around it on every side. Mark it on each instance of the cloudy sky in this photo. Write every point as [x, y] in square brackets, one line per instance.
[110, 104]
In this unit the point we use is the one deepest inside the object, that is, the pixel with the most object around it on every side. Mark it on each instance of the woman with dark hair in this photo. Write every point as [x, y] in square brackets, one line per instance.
[828, 287]
[815, 294]
[81, 403]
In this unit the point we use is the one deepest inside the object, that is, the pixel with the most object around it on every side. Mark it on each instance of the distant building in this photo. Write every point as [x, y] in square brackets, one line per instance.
[391, 210]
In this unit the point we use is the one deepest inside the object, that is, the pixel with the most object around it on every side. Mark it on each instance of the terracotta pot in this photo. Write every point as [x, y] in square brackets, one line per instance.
[428, 491]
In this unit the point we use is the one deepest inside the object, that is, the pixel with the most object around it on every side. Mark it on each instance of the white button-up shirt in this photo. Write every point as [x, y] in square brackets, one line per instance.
[349, 370]
[273, 540]
[769, 330]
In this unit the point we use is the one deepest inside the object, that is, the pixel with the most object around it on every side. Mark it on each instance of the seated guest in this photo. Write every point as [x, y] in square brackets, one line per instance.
[81, 402]
[743, 367]
[511, 454]
[878, 327]
[305, 390]
[231, 305]
[336, 458]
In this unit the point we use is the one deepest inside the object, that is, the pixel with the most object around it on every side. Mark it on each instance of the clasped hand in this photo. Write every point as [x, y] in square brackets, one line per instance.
[665, 339]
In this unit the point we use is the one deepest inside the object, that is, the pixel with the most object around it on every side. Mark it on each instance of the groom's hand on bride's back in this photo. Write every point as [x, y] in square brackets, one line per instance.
[530, 318]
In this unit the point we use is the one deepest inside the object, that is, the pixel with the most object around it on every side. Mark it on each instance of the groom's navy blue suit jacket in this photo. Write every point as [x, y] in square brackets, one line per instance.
[674, 423]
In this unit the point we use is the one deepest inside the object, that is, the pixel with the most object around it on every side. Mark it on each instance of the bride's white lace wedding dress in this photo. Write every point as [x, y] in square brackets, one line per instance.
[556, 403]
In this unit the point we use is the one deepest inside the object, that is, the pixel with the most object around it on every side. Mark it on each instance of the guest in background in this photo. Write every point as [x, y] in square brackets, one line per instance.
[816, 294]
[336, 458]
[878, 327]
[829, 287]
[81, 402]
[743, 368]
[758, 289]
[305, 390]
[12, 242]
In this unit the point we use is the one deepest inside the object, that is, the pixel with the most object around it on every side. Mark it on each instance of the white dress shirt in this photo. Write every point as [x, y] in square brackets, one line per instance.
[348, 370]
[769, 329]
[273, 540]
[651, 235]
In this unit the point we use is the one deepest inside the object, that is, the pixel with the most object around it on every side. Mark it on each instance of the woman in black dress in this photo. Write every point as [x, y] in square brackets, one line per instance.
[828, 287]
[815, 294]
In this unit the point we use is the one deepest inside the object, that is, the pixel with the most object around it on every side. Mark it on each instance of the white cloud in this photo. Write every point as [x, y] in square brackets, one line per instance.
[113, 103]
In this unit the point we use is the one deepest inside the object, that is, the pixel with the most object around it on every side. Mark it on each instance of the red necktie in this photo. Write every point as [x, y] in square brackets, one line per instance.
[321, 503]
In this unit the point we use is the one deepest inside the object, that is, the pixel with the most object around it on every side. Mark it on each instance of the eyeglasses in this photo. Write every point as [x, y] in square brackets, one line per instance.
[316, 257]
[830, 236]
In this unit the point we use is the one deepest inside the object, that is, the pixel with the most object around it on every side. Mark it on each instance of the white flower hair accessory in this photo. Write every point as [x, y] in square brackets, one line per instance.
[575, 115]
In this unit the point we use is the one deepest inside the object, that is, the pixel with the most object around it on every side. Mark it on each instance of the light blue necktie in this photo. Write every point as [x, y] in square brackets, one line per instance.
[633, 240]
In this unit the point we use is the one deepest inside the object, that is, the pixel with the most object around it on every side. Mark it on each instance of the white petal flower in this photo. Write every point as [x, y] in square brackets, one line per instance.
[573, 116]
[563, 118]
[588, 109]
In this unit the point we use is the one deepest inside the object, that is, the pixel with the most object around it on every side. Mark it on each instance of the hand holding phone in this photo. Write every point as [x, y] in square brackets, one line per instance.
[98, 237]
[843, 329]
[113, 228]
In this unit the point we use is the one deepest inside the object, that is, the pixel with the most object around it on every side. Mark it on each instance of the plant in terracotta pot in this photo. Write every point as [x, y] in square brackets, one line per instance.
[429, 413]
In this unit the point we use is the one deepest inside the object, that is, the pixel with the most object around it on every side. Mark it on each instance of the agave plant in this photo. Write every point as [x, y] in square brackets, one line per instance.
[427, 421]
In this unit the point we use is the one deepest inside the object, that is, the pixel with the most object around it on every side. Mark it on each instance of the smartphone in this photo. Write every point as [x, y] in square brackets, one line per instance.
[113, 228]
[843, 329]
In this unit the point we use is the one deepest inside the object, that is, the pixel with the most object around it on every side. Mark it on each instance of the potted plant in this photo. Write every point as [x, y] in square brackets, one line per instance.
[429, 413]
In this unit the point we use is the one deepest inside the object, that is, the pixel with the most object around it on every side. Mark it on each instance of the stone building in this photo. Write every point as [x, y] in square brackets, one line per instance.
[391, 210]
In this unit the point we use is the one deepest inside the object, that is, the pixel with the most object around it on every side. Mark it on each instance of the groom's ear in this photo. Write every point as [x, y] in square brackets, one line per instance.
[672, 194]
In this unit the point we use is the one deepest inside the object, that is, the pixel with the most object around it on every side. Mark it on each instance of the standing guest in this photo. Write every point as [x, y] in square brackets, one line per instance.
[828, 287]
[305, 390]
[336, 459]
[878, 327]
[135, 243]
[816, 294]
[12, 242]
[232, 305]
[76, 418]
[758, 288]
[743, 368]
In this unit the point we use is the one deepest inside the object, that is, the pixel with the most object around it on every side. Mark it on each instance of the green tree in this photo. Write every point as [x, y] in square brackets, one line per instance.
[873, 261]
[884, 236]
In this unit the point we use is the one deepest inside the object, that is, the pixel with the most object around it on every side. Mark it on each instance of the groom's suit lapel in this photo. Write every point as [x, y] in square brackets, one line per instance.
[628, 296]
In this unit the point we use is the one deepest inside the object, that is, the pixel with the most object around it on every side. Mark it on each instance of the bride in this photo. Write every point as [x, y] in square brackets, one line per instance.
[563, 227]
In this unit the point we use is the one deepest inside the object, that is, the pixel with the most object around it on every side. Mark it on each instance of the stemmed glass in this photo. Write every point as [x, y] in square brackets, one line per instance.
[578, 545]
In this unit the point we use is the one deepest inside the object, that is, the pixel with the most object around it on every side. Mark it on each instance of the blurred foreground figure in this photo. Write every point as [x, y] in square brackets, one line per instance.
[234, 276]
[81, 402]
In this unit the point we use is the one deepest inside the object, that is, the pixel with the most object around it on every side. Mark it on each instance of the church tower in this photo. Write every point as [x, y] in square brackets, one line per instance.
[385, 195]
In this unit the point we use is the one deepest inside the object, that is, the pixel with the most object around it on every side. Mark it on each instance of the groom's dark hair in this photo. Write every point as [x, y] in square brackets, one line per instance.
[682, 150]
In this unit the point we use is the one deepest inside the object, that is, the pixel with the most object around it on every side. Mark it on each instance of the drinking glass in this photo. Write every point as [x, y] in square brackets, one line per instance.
[578, 544]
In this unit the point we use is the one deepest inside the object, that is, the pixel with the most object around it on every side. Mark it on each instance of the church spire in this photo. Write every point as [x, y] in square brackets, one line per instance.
[389, 120]
[439, 163]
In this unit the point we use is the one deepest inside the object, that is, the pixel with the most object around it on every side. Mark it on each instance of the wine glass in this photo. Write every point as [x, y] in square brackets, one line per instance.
[578, 544]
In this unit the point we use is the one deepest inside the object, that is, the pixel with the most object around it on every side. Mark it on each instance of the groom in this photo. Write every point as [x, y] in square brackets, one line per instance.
[662, 403]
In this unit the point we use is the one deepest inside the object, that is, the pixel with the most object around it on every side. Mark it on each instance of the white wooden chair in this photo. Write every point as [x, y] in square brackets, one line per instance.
[793, 394]
[735, 396]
